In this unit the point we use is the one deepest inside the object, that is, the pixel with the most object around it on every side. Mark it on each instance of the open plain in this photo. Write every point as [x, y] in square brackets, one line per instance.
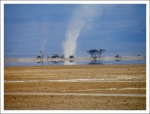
[87, 87]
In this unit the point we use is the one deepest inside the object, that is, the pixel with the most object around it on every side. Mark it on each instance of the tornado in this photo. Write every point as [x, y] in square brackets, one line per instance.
[81, 16]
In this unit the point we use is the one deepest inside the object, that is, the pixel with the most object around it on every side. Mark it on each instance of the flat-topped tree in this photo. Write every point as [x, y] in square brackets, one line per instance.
[99, 52]
[92, 52]
[41, 54]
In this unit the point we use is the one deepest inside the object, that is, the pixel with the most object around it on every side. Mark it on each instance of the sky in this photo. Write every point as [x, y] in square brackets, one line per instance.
[117, 28]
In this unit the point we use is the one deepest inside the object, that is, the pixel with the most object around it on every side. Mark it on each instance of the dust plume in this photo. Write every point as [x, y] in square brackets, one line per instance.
[83, 15]
[45, 31]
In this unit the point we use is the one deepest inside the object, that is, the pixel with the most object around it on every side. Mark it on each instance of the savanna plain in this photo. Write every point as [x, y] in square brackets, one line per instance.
[72, 87]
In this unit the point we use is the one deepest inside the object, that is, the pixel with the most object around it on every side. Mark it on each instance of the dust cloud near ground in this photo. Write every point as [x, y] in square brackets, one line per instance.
[89, 87]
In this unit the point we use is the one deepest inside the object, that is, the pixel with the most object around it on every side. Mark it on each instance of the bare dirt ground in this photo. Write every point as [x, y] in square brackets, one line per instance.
[91, 87]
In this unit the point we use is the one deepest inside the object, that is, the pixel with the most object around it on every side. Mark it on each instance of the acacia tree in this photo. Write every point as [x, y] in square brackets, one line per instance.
[99, 52]
[41, 54]
[92, 52]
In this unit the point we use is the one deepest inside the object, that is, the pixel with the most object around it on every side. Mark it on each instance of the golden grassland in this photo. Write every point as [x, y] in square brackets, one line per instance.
[86, 87]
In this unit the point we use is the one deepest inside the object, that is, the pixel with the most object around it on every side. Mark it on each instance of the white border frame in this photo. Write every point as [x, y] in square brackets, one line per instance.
[74, 2]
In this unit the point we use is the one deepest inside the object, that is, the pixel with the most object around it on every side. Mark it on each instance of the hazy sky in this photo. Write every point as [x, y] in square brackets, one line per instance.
[115, 28]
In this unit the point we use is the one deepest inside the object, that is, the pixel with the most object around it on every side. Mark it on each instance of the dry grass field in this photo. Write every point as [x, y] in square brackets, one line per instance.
[89, 87]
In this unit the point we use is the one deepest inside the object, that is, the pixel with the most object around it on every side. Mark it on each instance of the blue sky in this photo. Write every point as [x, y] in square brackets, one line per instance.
[117, 28]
